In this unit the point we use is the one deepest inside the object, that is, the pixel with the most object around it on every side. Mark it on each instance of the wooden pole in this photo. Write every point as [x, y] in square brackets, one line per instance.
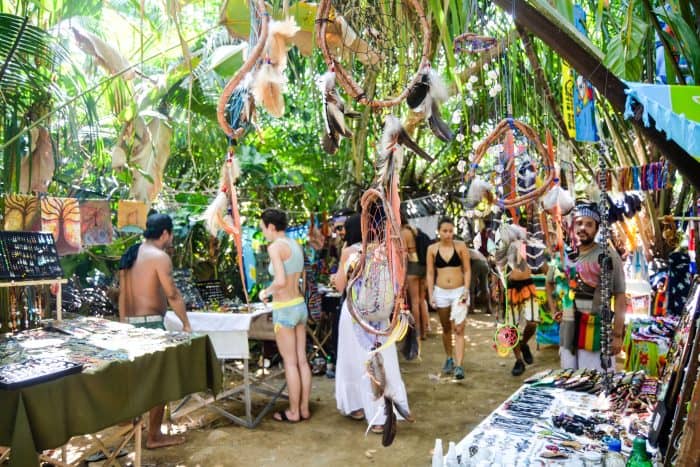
[689, 452]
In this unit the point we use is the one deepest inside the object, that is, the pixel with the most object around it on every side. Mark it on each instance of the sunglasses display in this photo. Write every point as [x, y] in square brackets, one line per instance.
[28, 255]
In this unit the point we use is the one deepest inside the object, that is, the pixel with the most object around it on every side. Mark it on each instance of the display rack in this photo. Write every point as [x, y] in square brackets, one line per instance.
[31, 259]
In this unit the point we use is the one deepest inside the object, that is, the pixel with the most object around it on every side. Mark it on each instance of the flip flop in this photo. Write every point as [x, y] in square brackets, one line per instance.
[283, 417]
[304, 419]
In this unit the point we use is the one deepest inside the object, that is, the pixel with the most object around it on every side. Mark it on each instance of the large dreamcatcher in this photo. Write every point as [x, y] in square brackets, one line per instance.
[375, 288]
[259, 82]
[383, 47]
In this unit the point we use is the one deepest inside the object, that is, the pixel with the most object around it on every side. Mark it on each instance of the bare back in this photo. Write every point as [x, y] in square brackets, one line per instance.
[145, 286]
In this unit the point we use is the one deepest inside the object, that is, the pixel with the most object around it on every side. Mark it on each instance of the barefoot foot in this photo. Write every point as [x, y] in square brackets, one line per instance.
[164, 441]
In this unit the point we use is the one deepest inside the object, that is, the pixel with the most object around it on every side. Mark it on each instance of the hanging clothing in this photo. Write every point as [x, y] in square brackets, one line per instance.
[679, 281]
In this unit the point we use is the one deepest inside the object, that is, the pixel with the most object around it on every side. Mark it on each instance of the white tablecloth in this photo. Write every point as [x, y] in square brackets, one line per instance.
[228, 332]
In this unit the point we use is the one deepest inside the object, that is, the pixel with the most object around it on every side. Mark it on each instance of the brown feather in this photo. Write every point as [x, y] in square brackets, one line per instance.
[267, 88]
[280, 34]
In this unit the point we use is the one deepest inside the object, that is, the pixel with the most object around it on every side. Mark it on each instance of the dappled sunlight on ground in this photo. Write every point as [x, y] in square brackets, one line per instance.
[443, 407]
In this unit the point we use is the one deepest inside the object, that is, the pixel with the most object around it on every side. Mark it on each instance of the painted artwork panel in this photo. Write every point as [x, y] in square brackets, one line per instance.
[22, 213]
[132, 214]
[95, 222]
[61, 217]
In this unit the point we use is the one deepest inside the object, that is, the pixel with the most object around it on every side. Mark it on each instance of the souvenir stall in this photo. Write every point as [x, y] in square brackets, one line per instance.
[583, 417]
[80, 376]
[52, 369]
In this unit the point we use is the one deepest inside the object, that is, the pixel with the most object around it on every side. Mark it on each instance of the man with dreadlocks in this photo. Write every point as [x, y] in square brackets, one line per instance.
[580, 331]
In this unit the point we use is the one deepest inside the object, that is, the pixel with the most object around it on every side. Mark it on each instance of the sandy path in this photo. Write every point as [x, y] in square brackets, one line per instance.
[443, 408]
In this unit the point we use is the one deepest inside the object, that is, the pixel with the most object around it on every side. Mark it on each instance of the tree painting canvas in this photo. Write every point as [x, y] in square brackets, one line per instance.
[95, 222]
[22, 213]
[61, 217]
[131, 214]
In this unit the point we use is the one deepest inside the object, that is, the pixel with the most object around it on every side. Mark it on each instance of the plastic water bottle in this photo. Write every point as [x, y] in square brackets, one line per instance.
[639, 457]
[437, 454]
[614, 457]
[451, 459]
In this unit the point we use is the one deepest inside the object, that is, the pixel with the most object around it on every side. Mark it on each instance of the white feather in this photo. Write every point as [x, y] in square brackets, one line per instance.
[213, 213]
[280, 33]
[438, 89]
[477, 190]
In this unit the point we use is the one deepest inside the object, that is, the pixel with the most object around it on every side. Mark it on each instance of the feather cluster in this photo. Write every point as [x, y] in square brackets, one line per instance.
[334, 113]
[268, 87]
[217, 216]
[478, 190]
[270, 81]
[514, 242]
[394, 138]
[425, 97]
[558, 197]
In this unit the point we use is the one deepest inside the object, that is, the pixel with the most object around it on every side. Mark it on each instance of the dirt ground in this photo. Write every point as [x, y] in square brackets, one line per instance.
[444, 408]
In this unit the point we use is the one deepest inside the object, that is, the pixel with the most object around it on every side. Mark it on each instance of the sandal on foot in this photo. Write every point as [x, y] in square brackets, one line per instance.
[377, 429]
[357, 414]
[281, 416]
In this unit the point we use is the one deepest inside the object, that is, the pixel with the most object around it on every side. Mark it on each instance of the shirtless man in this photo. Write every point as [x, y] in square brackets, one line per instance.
[146, 289]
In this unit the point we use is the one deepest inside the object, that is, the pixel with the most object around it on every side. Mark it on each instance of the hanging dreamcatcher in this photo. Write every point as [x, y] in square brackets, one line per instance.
[375, 288]
[535, 178]
[382, 50]
[259, 82]
[471, 42]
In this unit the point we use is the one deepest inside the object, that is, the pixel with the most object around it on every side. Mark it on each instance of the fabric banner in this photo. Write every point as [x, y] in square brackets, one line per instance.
[249, 263]
[675, 110]
[22, 213]
[567, 98]
[132, 214]
[95, 222]
[578, 96]
[61, 217]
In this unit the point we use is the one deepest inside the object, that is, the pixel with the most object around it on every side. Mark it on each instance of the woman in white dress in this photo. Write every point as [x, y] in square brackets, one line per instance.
[353, 391]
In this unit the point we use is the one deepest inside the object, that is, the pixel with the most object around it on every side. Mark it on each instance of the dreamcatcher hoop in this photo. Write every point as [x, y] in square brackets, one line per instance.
[325, 15]
[507, 336]
[396, 257]
[478, 43]
[509, 124]
[250, 62]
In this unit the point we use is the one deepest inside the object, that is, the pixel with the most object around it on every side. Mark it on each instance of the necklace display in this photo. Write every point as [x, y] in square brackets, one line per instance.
[605, 275]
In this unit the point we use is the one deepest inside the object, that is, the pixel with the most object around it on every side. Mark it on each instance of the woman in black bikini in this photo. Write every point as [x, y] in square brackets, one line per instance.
[448, 291]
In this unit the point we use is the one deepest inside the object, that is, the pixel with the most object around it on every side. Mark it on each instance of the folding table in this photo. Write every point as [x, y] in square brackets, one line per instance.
[230, 334]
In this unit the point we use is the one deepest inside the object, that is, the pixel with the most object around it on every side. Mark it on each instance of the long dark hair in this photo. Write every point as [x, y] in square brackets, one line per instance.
[353, 229]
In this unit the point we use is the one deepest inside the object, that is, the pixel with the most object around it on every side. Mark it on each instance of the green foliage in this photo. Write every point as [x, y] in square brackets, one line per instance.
[685, 37]
[625, 51]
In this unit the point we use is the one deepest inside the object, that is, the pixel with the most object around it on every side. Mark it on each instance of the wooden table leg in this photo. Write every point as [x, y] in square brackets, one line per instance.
[137, 442]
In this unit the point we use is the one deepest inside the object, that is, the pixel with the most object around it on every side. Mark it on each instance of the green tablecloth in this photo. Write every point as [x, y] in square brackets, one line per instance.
[47, 415]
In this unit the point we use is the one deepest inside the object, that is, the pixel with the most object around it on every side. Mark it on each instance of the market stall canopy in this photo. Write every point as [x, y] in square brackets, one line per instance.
[675, 110]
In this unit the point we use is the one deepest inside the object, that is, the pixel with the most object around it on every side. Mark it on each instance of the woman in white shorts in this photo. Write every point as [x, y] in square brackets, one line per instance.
[448, 276]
